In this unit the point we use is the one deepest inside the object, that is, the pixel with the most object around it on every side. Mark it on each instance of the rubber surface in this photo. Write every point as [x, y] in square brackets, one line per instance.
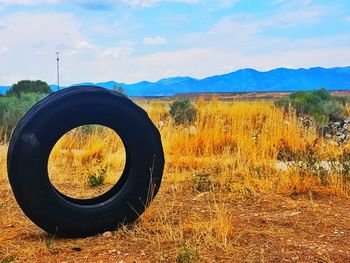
[46, 122]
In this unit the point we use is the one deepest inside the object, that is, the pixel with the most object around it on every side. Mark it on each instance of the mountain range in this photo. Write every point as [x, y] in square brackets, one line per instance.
[243, 80]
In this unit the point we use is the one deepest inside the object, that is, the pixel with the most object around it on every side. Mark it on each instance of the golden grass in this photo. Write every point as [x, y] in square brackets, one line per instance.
[347, 109]
[84, 152]
[239, 143]
[236, 145]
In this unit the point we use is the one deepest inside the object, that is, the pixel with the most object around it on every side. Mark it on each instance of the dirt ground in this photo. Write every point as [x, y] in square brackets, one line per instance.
[262, 228]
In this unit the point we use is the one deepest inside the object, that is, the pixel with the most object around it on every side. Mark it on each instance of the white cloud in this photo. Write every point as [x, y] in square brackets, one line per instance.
[115, 52]
[237, 42]
[304, 16]
[143, 3]
[27, 2]
[148, 3]
[203, 62]
[11, 78]
[154, 41]
[82, 47]
[3, 50]
[32, 41]
[245, 32]
[294, 2]
[239, 33]
[28, 50]
[212, 4]
[108, 4]
[226, 3]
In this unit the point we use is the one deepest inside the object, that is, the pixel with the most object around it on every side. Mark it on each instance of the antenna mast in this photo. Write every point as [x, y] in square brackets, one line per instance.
[58, 70]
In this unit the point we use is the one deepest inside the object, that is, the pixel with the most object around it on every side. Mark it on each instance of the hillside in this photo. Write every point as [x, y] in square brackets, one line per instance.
[243, 80]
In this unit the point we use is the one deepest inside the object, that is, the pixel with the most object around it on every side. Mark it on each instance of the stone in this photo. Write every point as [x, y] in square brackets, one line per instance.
[193, 130]
[338, 130]
[341, 136]
[281, 166]
[333, 143]
[295, 213]
[337, 124]
[161, 124]
[200, 195]
[327, 135]
[107, 234]
[325, 165]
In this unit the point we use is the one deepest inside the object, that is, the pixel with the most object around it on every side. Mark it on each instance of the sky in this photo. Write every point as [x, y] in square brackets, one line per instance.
[134, 40]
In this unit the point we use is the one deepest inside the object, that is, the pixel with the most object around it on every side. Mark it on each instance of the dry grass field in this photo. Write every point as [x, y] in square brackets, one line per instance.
[227, 195]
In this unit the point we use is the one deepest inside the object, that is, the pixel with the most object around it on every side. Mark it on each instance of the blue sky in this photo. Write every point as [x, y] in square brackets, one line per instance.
[134, 40]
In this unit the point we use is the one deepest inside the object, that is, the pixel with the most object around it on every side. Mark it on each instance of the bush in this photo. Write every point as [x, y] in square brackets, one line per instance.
[320, 104]
[12, 109]
[183, 111]
[97, 179]
[120, 90]
[22, 95]
[28, 86]
[333, 109]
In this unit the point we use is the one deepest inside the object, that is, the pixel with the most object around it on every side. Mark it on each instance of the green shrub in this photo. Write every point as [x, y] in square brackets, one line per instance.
[320, 104]
[11, 259]
[88, 129]
[120, 90]
[202, 182]
[187, 255]
[332, 108]
[28, 86]
[22, 96]
[183, 111]
[97, 179]
[12, 109]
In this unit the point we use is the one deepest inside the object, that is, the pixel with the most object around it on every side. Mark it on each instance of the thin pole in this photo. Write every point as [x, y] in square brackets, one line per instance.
[58, 70]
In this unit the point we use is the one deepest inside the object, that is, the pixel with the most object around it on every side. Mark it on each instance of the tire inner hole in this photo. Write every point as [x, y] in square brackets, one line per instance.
[86, 161]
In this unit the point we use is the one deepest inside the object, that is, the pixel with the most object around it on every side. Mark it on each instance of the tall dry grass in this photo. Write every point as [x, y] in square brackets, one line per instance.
[232, 146]
[86, 152]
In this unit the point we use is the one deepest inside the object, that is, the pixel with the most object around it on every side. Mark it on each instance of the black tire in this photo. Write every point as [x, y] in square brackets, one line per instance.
[47, 121]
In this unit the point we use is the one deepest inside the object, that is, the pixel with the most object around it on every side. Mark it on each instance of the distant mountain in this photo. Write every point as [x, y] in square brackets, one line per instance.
[243, 80]
[3, 89]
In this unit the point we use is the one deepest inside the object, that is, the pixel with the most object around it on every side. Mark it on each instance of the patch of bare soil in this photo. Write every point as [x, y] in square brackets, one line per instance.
[186, 226]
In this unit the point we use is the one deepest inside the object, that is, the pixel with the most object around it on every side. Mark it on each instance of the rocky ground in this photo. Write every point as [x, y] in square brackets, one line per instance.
[336, 131]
